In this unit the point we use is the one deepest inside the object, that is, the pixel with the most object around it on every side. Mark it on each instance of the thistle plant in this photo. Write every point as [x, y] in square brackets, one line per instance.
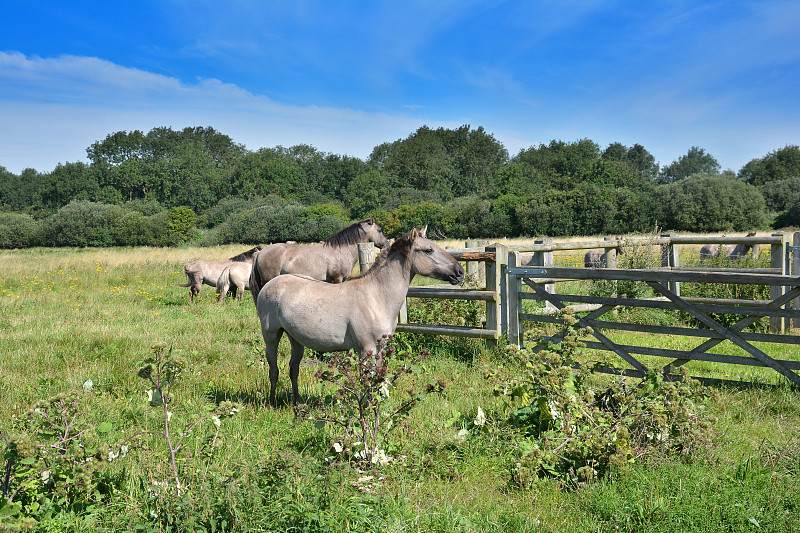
[55, 461]
[162, 370]
[365, 404]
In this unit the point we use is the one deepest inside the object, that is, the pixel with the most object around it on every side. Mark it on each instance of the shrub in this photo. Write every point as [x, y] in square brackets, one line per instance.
[365, 407]
[578, 432]
[18, 230]
[181, 224]
[82, 223]
[711, 203]
[290, 222]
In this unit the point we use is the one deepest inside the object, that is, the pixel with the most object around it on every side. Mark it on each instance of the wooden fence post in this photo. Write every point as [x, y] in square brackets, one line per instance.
[611, 255]
[545, 260]
[366, 255]
[513, 288]
[671, 257]
[778, 259]
[476, 270]
[496, 308]
[796, 271]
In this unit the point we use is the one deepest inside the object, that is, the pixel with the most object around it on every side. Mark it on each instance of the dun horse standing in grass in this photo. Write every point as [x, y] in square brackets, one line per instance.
[352, 315]
[206, 271]
[332, 260]
[234, 278]
[733, 253]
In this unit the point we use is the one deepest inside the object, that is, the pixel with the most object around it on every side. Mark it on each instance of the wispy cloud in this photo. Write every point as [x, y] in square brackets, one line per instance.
[89, 98]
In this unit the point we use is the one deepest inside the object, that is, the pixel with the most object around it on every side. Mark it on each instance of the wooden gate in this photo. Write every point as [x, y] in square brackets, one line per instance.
[787, 288]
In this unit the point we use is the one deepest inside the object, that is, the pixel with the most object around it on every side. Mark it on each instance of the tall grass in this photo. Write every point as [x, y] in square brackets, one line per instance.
[72, 315]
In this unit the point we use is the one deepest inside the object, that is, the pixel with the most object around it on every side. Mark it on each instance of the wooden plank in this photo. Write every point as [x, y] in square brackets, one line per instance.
[668, 330]
[704, 356]
[664, 276]
[675, 377]
[679, 239]
[667, 305]
[472, 256]
[728, 333]
[583, 245]
[456, 331]
[451, 294]
[729, 269]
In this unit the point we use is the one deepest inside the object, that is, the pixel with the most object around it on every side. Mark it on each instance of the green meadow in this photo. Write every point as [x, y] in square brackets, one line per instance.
[77, 325]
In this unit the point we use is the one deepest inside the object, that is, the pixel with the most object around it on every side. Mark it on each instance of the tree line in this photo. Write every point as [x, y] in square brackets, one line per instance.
[166, 187]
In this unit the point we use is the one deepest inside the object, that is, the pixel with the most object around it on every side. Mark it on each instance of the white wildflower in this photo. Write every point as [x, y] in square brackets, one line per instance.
[480, 419]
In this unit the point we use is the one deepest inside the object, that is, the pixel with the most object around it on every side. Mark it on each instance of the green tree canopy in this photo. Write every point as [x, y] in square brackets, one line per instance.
[706, 202]
[696, 161]
[775, 166]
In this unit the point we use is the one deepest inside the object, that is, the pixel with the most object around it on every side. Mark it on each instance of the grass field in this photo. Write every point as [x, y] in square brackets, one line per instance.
[68, 316]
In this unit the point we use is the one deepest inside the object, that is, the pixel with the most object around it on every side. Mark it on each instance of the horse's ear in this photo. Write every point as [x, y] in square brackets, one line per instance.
[423, 231]
[413, 234]
[369, 221]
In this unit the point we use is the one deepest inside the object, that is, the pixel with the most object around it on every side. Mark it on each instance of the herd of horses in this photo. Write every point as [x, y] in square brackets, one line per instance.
[306, 292]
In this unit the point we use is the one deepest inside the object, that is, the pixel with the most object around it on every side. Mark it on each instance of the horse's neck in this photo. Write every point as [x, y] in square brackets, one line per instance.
[390, 280]
[345, 257]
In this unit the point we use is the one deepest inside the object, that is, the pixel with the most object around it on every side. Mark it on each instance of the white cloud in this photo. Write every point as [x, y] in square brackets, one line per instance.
[53, 109]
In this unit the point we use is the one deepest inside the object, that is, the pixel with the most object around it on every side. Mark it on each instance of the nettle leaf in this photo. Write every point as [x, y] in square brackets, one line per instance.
[104, 427]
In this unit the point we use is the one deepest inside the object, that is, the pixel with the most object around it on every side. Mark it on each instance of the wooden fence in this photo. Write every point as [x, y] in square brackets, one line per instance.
[659, 280]
[500, 268]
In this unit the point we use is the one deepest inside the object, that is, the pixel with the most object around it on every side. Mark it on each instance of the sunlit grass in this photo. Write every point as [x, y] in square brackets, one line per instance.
[72, 315]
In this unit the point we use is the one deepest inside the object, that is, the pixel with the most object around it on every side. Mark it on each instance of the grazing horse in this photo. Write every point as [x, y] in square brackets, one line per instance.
[598, 257]
[353, 315]
[733, 253]
[234, 278]
[332, 260]
[206, 271]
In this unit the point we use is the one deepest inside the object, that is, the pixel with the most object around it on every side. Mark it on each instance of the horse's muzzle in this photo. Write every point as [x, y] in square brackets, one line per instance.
[457, 276]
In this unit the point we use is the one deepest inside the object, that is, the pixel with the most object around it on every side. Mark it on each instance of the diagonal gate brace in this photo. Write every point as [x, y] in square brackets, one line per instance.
[726, 332]
[599, 336]
[738, 326]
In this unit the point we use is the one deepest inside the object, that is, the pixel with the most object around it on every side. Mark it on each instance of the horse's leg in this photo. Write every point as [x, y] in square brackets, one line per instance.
[271, 339]
[294, 368]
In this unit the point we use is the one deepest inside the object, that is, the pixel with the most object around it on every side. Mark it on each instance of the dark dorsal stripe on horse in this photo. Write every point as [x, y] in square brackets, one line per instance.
[245, 256]
[352, 234]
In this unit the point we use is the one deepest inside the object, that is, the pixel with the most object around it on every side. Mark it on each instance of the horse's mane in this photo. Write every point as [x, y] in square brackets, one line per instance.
[401, 246]
[244, 256]
[352, 234]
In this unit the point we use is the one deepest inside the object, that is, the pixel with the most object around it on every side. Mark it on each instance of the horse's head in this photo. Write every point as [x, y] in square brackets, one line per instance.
[429, 259]
[373, 232]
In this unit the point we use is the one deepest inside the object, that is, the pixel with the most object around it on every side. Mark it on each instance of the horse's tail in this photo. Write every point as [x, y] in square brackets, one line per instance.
[255, 281]
[223, 283]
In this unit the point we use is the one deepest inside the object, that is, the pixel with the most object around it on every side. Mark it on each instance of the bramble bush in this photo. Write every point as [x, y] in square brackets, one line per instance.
[573, 429]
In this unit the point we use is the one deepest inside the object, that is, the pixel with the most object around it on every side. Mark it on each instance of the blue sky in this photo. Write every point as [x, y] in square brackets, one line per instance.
[345, 76]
